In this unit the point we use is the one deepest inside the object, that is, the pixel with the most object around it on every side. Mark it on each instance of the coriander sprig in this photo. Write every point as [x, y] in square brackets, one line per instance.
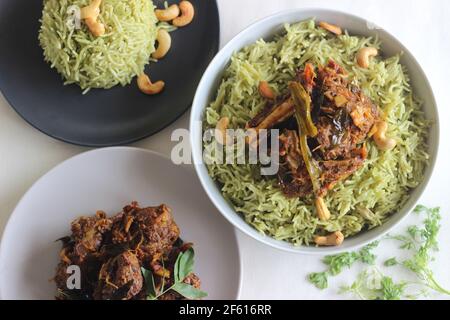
[372, 284]
[427, 243]
[184, 265]
[336, 264]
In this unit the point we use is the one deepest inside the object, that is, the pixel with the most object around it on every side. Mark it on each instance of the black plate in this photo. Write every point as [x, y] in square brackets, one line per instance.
[117, 116]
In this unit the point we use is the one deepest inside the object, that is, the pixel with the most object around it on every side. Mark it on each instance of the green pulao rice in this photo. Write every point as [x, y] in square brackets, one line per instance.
[385, 182]
[99, 62]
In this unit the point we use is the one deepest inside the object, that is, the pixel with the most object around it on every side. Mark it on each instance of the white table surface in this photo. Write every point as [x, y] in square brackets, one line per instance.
[422, 25]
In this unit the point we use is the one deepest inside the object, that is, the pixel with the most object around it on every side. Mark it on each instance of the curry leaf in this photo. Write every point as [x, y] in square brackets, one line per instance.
[188, 291]
[184, 265]
[149, 283]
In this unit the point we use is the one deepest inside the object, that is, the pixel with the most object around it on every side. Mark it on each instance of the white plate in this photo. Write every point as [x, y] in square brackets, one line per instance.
[108, 179]
[266, 29]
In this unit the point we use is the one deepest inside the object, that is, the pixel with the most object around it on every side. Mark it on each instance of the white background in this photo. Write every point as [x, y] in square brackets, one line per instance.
[422, 25]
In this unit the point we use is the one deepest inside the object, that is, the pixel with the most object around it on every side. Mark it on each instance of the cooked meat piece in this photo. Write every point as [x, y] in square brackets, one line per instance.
[296, 184]
[334, 171]
[334, 138]
[290, 149]
[339, 94]
[338, 69]
[61, 276]
[122, 223]
[110, 253]
[154, 227]
[307, 77]
[193, 280]
[293, 176]
[363, 112]
[87, 235]
[347, 115]
[120, 278]
[89, 270]
[343, 116]
[159, 229]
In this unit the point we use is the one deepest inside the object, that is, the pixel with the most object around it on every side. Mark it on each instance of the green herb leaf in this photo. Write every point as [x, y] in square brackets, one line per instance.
[420, 241]
[366, 255]
[420, 208]
[414, 231]
[163, 279]
[188, 291]
[184, 265]
[391, 290]
[336, 263]
[149, 284]
[391, 262]
[319, 279]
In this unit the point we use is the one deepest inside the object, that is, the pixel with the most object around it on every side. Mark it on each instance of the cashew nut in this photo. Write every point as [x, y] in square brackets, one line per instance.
[90, 15]
[164, 43]
[333, 239]
[168, 14]
[322, 209]
[363, 56]
[147, 87]
[221, 131]
[266, 91]
[383, 143]
[187, 14]
[331, 28]
[92, 10]
[97, 28]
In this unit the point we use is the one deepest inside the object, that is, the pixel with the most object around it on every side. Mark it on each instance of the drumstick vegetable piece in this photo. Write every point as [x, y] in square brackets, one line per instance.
[307, 128]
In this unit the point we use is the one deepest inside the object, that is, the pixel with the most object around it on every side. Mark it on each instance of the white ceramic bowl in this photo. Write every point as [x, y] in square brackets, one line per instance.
[266, 28]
